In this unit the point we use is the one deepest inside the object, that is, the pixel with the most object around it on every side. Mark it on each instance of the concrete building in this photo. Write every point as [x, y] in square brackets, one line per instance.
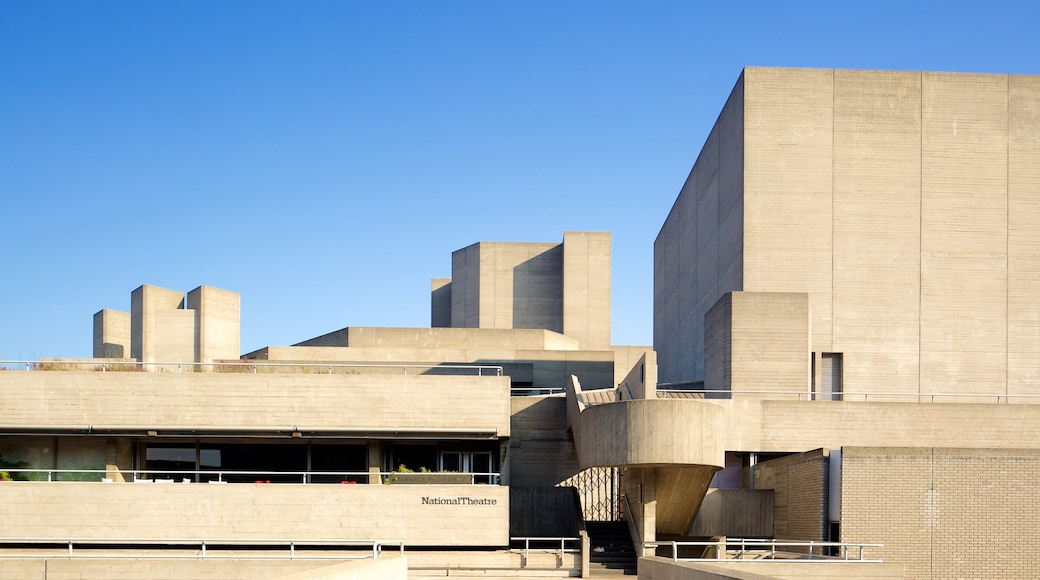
[847, 320]
[852, 270]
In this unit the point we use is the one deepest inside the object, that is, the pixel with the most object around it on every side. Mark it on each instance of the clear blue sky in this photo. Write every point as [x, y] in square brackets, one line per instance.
[324, 159]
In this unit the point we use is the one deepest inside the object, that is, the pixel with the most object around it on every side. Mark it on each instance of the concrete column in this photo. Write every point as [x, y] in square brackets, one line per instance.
[111, 334]
[586, 288]
[440, 303]
[160, 328]
[118, 458]
[217, 324]
[585, 572]
[375, 462]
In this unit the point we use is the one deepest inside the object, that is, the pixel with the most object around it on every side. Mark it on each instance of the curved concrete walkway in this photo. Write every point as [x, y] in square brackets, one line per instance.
[669, 448]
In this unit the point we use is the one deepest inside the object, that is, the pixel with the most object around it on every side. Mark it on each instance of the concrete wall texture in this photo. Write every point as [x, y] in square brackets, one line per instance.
[903, 203]
[111, 334]
[507, 285]
[800, 494]
[255, 401]
[562, 287]
[167, 326]
[756, 341]
[387, 567]
[217, 315]
[158, 511]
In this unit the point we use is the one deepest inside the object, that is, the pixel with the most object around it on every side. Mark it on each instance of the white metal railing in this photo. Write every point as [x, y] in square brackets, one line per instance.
[104, 365]
[769, 549]
[204, 475]
[532, 391]
[556, 545]
[205, 547]
[860, 397]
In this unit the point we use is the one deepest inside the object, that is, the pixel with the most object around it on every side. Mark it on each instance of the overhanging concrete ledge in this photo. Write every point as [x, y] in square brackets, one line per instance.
[670, 449]
[645, 432]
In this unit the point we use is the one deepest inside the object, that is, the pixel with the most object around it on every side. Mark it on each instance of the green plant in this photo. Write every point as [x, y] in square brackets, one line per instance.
[5, 465]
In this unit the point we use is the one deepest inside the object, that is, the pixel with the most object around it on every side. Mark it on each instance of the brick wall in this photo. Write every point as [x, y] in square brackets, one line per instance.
[799, 483]
[945, 512]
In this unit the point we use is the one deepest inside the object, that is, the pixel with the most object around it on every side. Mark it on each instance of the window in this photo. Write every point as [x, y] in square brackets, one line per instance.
[829, 386]
[476, 462]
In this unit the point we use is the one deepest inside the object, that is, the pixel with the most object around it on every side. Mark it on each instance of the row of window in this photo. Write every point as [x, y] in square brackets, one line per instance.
[324, 462]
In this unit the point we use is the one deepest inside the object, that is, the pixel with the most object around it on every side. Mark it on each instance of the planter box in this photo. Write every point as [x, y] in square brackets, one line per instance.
[429, 478]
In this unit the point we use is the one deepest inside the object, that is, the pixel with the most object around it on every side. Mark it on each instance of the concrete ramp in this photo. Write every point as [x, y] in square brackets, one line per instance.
[669, 449]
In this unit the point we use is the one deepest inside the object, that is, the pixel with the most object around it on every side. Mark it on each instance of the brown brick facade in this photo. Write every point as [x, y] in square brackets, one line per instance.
[945, 513]
[799, 483]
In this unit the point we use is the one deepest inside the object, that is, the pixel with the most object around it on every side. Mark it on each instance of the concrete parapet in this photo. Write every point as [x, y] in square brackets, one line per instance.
[738, 513]
[92, 401]
[141, 566]
[418, 515]
[650, 433]
[386, 567]
[780, 426]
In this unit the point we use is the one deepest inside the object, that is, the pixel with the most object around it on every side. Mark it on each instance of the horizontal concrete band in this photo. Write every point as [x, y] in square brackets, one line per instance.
[650, 432]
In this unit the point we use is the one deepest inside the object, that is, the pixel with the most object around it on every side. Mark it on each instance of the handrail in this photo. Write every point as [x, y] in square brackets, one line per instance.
[204, 543]
[715, 394]
[534, 391]
[102, 365]
[562, 549]
[195, 474]
[766, 550]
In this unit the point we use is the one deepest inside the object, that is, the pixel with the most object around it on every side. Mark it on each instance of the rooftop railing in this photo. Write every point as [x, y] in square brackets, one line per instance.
[205, 547]
[256, 476]
[246, 366]
[872, 397]
[766, 550]
[535, 391]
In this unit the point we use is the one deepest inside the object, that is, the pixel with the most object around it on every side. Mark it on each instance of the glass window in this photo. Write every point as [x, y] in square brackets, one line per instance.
[256, 463]
[169, 462]
[342, 458]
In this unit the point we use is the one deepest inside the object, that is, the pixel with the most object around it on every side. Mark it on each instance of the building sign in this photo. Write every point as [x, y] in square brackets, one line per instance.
[461, 500]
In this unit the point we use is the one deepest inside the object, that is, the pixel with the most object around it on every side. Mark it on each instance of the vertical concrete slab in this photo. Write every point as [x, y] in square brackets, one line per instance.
[718, 345]
[788, 181]
[877, 228]
[1023, 330]
[731, 192]
[111, 334]
[586, 288]
[759, 342]
[146, 332]
[440, 303]
[964, 233]
[465, 294]
[217, 324]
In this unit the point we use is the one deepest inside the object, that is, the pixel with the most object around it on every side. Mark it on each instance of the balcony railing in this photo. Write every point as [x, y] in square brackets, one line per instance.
[255, 477]
[211, 548]
[768, 550]
[252, 367]
[871, 397]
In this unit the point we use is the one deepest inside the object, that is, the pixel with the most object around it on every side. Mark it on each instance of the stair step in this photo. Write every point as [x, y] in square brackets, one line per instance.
[618, 557]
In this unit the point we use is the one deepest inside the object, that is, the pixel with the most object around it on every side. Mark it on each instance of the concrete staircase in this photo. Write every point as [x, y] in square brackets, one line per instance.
[612, 553]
